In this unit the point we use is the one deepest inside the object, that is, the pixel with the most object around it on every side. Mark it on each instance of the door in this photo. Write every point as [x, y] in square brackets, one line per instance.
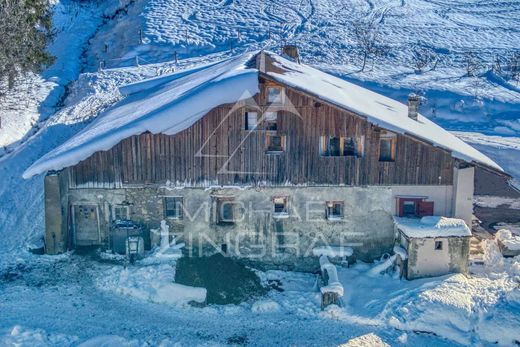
[86, 225]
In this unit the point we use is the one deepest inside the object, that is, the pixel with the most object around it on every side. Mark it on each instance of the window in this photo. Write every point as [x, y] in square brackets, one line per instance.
[331, 146]
[173, 207]
[438, 245]
[281, 206]
[412, 206]
[251, 119]
[334, 210]
[275, 143]
[225, 211]
[274, 95]
[409, 209]
[120, 212]
[271, 120]
[387, 147]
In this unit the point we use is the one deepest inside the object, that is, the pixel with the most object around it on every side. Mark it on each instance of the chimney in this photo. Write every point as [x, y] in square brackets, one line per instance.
[292, 52]
[413, 106]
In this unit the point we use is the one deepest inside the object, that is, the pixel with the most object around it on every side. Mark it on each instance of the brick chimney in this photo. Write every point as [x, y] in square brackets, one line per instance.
[413, 106]
[292, 52]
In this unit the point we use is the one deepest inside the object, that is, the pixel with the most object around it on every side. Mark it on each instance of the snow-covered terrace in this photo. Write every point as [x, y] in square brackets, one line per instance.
[173, 103]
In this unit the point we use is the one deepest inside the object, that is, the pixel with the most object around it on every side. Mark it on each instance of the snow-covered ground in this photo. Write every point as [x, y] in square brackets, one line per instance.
[53, 301]
[72, 299]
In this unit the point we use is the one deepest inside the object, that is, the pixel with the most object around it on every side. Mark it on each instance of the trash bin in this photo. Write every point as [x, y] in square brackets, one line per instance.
[121, 230]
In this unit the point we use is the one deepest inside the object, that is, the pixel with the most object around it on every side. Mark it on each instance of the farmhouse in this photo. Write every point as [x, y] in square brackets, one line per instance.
[257, 156]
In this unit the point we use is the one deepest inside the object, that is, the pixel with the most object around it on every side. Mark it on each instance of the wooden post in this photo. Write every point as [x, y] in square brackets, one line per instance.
[141, 36]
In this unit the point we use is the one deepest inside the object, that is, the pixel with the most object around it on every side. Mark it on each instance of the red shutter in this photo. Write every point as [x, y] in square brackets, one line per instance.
[425, 208]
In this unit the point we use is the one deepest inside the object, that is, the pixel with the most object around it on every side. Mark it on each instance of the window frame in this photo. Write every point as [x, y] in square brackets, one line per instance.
[325, 146]
[281, 95]
[283, 143]
[246, 121]
[392, 139]
[116, 207]
[178, 209]
[438, 245]
[330, 206]
[270, 123]
[285, 212]
[226, 201]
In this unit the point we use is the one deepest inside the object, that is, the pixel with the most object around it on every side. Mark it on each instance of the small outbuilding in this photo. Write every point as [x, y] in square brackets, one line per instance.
[435, 245]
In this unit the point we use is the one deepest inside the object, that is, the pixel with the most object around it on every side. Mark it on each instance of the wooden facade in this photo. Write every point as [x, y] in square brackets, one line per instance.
[218, 150]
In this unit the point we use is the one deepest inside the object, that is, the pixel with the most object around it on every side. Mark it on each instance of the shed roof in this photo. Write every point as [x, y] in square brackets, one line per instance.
[432, 227]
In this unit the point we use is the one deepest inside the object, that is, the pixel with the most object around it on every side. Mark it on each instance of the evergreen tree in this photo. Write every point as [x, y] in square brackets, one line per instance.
[25, 31]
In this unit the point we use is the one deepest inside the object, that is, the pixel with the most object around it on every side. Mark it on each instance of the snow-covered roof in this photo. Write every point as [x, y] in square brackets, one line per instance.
[379, 110]
[172, 103]
[432, 226]
[164, 105]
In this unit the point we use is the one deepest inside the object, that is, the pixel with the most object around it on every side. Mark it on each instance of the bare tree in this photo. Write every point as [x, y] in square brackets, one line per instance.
[473, 64]
[423, 58]
[367, 35]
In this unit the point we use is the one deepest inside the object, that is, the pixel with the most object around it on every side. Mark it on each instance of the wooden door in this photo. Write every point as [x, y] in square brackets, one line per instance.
[86, 225]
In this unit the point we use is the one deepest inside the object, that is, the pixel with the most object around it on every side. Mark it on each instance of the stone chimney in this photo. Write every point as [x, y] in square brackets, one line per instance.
[292, 52]
[413, 106]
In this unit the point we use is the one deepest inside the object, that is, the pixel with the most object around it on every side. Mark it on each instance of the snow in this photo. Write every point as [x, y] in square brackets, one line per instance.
[400, 251]
[379, 110]
[333, 251]
[168, 108]
[265, 306]
[333, 284]
[432, 226]
[367, 340]
[496, 201]
[510, 241]
[151, 283]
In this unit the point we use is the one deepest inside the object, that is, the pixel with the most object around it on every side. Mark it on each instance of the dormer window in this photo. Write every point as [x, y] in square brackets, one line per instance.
[274, 95]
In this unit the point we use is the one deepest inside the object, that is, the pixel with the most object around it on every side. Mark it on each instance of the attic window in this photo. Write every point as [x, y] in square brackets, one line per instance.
[331, 146]
[281, 206]
[274, 95]
[275, 143]
[334, 210]
[387, 147]
[251, 119]
[438, 245]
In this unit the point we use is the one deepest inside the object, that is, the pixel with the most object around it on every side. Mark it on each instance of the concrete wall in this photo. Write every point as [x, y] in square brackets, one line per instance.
[463, 186]
[367, 225]
[425, 261]
[56, 214]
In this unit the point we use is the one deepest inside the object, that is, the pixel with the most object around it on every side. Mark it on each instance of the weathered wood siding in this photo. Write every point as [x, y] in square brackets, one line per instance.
[217, 149]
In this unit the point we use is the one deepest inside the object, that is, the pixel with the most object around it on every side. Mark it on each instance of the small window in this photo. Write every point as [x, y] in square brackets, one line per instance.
[409, 208]
[251, 119]
[271, 121]
[274, 95]
[334, 210]
[438, 245]
[225, 211]
[331, 146]
[281, 205]
[387, 147]
[275, 143]
[173, 207]
[120, 212]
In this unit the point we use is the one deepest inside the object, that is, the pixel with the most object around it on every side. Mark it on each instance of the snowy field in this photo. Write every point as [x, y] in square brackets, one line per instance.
[68, 300]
